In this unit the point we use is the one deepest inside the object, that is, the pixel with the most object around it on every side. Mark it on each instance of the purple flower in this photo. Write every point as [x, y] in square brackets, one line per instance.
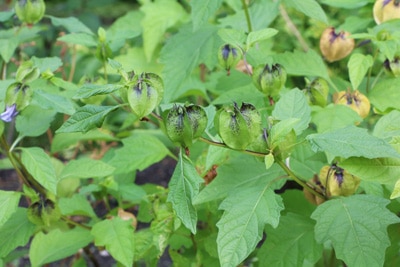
[9, 114]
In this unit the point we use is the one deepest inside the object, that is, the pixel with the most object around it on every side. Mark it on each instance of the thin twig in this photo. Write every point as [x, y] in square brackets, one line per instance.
[293, 28]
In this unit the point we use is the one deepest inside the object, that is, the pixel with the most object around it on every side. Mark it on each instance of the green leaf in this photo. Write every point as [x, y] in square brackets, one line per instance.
[185, 51]
[388, 126]
[396, 190]
[16, 231]
[34, 121]
[358, 66]
[117, 236]
[303, 64]
[55, 102]
[72, 24]
[350, 4]
[57, 245]
[269, 160]
[202, 11]
[39, 165]
[7, 48]
[47, 63]
[382, 170]
[246, 211]
[293, 104]
[6, 15]
[86, 118]
[79, 38]
[89, 90]
[86, 168]
[256, 36]
[279, 131]
[351, 142]
[232, 175]
[292, 243]
[76, 205]
[139, 151]
[8, 204]
[385, 94]
[334, 117]
[343, 222]
[310, 8]
[183, 187]
[232, 36]
[158, 17]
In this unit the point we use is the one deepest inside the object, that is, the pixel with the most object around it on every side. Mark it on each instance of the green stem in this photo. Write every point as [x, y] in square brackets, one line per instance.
[249, 152]
[370, 71]
[297, 180]
[247, 14]
[72, 222]
[377, 78]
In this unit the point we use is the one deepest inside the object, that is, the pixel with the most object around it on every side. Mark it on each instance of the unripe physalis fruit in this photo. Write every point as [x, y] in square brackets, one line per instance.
[337, 181]
[184, 124]
[355, 100]
[124, 215]
[386, 10]
[393, 67]
[269, 79]
[44, 212]
[260, 143]
[228, 57]
[238, 127]
[317, 92]
[144, 93]
[335, 46]
[18, 94]
[30, 11]
[26, 72]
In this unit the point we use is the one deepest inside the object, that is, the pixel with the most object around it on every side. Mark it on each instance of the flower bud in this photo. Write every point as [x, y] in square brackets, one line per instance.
[27, 72]
[18, 94]
[269, 79]
[393, 67]
[44, 212]
[184, 124]
[30, 11]
[335, 46]
[238, 128]
[9, 114]
[355, 100]
[385, 10]
[228, 57]
[145, 93]
[317, 92]
[337, 181]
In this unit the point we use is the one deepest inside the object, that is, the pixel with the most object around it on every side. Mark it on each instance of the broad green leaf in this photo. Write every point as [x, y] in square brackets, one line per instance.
[7, 48]
[292, 243]
[117, 236]
[47, 63]
[79, 38]
[232, 175]
[232, 36]
[158, 17]
[356, 227]
[388, 126]
[76, 205]
[247, 93]
[382, 170]
[162, 227]
[89, 90]
[72, 24]
[260, 35]
[185, 51]
[351, 142]
[246, 211]
[86, 118]
[6, 15]
[350, 4]
[358, 66]
[39, 165]
[86, 168]
[63, 141]
[183, 187]
[396, 190]
[34, 121]
[131, 192]
[8, 204]
[202, 11]
[57, 245]
[279, 131]
[303, 64]
[293, 104]
[385, 94]
[15, 232]
[334, 117]
[55, 102]
[139, 151]
[310, 8]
